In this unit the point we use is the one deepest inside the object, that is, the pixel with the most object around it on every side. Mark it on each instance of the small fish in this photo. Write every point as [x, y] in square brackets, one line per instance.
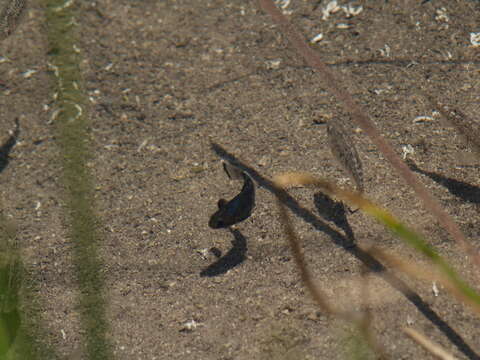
[240, 207]
[343, 149]
[10, 15]
[469, 129]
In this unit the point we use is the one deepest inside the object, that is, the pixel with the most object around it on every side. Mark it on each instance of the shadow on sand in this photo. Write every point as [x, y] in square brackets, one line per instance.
[8, 145]
[334, 211]
[234, 257]
[368, 260]
[460, 189]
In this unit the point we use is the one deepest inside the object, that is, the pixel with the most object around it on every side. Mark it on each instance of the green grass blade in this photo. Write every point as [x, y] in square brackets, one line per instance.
[383, 216]
[418, 243]
[72, 127]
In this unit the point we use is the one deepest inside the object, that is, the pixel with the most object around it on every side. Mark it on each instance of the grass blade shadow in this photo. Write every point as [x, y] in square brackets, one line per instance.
[285, 180]
[381, 215]
[358, 114]
[363, 256]
[290, 202]
[335, 212]
[424, 273]
[466, 192]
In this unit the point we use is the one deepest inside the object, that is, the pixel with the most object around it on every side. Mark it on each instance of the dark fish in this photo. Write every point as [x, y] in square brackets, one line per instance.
[239, 208]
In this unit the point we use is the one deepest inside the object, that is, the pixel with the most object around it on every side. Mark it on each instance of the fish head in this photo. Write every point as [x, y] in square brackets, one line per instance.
[221, 203]
[216, 221]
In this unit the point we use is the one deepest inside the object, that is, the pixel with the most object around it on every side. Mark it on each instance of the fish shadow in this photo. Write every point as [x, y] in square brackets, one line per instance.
[334, 211]
[460, 189]
[234, 257]
[7, 147]
[364, 257]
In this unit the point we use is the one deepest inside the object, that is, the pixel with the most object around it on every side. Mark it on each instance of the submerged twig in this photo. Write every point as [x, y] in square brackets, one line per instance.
[360, 117]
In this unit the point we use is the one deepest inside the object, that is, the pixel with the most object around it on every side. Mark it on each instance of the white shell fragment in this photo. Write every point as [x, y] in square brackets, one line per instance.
[142, 145]
[203, 253]
[331, 8]
[79, 111]
[435, 289]
[273, 64]
[351, 10]
[65, 5]
[385, 51]
[475, 39]
[407, 150]
[283, 3]
[441, 15]
[54, 116]
[28, 74]
[190, 325]
[317, 38]
[54, 68]
[422, 118]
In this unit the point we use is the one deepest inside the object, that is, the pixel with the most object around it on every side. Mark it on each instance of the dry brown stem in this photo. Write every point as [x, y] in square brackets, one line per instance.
[360, 117]
[433, 348]
[430, 273]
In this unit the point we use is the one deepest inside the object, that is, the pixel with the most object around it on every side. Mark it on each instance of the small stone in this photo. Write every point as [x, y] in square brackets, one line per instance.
[264, 160]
